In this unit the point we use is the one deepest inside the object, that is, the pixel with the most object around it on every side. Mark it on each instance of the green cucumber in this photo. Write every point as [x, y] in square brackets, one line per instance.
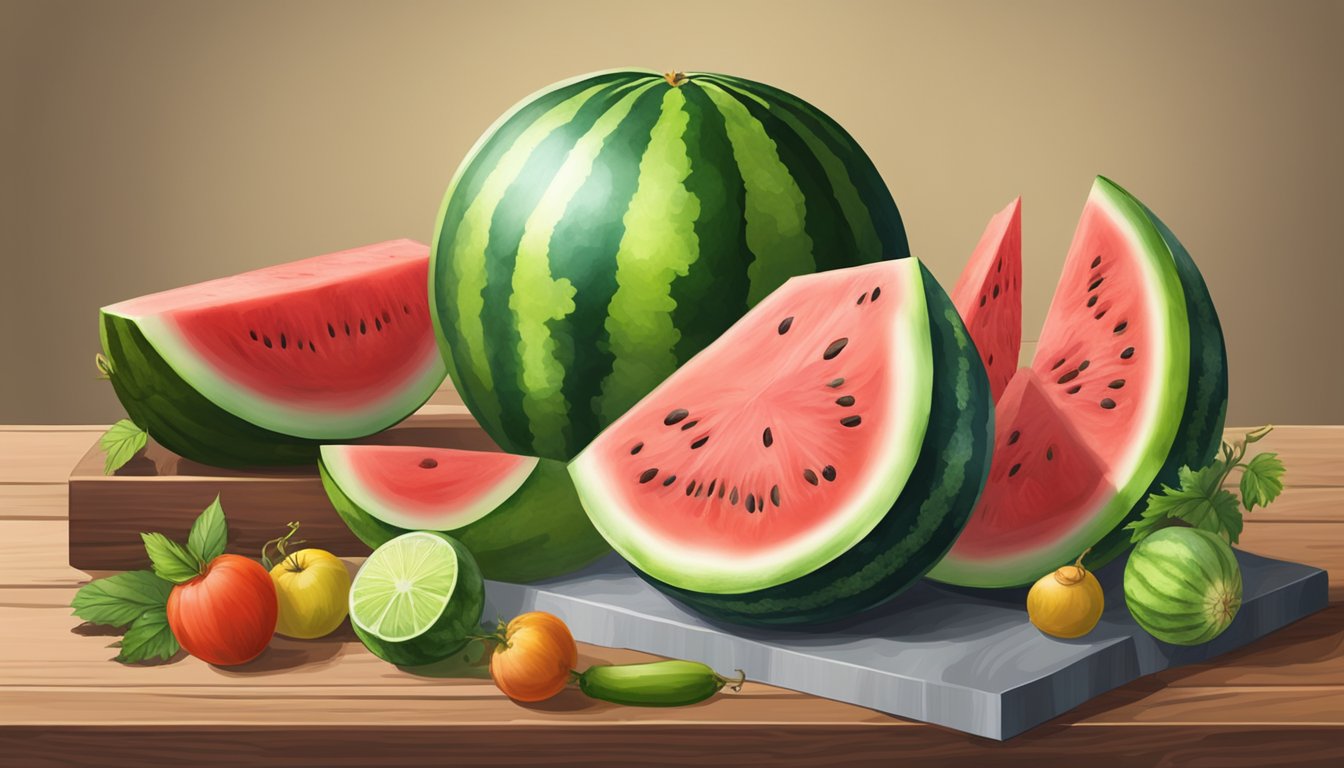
[656, 684]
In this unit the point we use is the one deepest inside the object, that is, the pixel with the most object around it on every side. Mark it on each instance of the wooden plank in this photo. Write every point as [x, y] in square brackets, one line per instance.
[1303, 505]
[1318, 544]
[42, 456]
[1309, 652]
[1311, 453]
[35, 501]
[33, 554]
[620, 745]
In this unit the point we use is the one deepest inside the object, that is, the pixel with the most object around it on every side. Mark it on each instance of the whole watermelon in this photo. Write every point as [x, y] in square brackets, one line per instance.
[606, 229]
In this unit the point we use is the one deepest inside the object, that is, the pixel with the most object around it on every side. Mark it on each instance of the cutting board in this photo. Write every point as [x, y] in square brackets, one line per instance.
[965, 659]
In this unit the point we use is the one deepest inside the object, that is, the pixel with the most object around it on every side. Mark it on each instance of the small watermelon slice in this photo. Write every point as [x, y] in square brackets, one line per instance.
[518, 515]
[810, 463]
[989, 296]
[1128, 383]
[262, 367]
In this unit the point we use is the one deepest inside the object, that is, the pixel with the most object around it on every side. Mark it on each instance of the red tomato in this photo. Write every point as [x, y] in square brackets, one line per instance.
[534, 658]
[226, 615]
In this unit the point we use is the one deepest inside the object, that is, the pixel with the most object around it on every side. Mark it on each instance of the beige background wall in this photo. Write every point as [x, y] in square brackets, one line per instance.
[145, 145]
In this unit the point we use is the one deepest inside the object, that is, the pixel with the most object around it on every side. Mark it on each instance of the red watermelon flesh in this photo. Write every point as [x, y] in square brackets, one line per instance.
[325, 347]
[989, 296]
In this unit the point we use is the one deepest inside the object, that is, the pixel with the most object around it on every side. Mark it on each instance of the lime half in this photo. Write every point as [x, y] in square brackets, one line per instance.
[417, 598]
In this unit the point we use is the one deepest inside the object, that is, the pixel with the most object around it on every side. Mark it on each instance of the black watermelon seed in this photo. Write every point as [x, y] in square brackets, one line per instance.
[845, 400]
[877, 291]
[834, 348]
[1013, 437]
[670, 480]
[833, 383]
[377, 324]
[690, 488]
[828, 472]
[1118, 383]
[648, 475]
[768, 437]
[311, 347]
[347, 329]
[1056, 365]
[1122, 326]
[428, 463]
[861, 298]
[999, 266]
[387, 318]
[676, 415]
[1050, 453]
[1096, 262]
[991, 359]
[1074, 389]
[851, 421]
[1070, 376]
[995, 292]
[331, 331]
[636, 448]
[982, 299]
[1107, 403]
[362, 328]
[712, 483]
[1083, 365]
[405, 309]
[690, 424]
[810, 476]
[283, 342]
[1100, 314]
[253, 334]
[700, 490]
[1095, 283]
[774, 495]
[267, 341]
[1091, 301]
[722, 488]
[700, 442]
[732, 497]
[1013, 469]
[751, 503]
[1128, 353]
[784, 325]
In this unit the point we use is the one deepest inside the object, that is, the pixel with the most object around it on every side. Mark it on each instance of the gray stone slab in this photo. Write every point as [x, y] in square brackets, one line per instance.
[965, 659]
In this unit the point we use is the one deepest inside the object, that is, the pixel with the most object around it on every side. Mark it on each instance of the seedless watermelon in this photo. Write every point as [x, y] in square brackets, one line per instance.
[607, 228]
[262, 367]
[1129, 382]
[518, 515]
[811, 462]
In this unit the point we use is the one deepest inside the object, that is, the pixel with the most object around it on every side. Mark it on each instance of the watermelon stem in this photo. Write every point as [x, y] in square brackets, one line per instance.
[675, 79]
[281, 545]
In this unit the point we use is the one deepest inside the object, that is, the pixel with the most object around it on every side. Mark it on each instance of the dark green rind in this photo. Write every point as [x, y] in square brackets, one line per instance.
[181, 419]
[540, 532]
[1201, 430]
[450, 633]
[924, 521]
[708, 299]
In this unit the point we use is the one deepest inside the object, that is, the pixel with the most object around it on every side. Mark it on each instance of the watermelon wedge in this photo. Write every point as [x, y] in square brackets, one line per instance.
[989, 296]
[262, 367]
[1129, 382]
[810, 463]
[517, 514]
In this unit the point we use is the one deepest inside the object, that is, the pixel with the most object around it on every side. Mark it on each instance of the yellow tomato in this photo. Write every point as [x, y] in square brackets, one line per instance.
[1066, 603]
[313, 588]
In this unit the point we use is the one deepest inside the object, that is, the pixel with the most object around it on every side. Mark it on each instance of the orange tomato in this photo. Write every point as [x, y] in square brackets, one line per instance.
[534, 658]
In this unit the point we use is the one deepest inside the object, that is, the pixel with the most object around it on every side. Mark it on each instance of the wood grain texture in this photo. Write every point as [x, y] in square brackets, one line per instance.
[1311, 453]
[33, 501]
[42, 456]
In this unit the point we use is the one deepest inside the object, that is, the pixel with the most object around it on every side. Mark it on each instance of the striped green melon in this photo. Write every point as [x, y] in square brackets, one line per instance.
[606, 229]
[1183, 585]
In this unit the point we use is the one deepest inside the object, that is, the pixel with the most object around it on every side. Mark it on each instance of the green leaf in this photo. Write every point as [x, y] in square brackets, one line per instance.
[169, 559]
[120, 600]
[121, 442]
[1200, 501]
[209, 534]
[1261, 480]
[149, 637]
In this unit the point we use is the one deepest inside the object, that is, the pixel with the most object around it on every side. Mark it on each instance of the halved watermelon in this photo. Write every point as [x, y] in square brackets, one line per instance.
[517, 514]
[262, 367]
[1128, 383]
[811, 462]
[989, 296]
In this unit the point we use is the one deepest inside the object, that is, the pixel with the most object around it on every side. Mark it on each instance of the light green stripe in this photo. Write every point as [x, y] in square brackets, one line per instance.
[659, 245]
[538, 298]
[775, 208]
[473, 235]
[851, 203]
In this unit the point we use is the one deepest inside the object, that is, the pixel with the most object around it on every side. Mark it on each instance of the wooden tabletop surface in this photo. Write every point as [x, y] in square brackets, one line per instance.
[63, 701]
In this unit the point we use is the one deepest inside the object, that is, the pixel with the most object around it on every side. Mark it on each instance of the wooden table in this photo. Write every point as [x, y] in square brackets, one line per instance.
[63, 701]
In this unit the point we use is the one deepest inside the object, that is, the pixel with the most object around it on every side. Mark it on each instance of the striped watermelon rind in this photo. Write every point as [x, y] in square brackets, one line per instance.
[1183, 585]
[539, 531]
[923, 522]
[607, 228]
